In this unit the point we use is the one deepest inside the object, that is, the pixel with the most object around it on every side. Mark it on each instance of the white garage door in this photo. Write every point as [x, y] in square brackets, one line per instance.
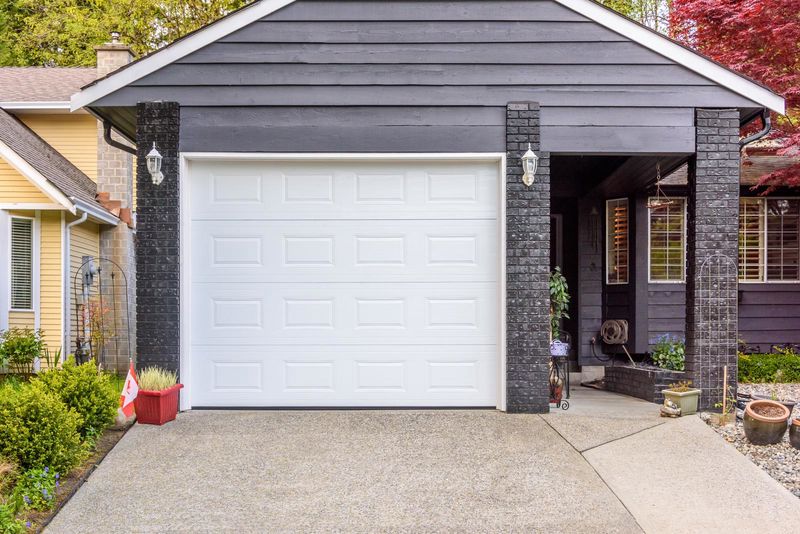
[356, 283]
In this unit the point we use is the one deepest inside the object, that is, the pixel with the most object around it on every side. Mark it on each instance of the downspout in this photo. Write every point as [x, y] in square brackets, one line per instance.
[113, 142]
[767, 121]
[67, 278]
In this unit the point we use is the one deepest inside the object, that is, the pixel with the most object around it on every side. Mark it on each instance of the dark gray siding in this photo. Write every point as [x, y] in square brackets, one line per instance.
[427, 76]
[769, 314]
[666, 309]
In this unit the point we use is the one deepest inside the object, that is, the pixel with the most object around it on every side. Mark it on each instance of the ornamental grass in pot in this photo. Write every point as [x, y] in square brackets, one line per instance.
[159, 392]
[684, 395]
[765, 421]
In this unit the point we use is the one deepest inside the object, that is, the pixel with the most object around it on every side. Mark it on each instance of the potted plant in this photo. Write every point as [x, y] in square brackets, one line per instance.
[556, 386]
[684, 395]
[773, 395]
[765, 421]
[794, 433]
[559, 304]
[157, 401]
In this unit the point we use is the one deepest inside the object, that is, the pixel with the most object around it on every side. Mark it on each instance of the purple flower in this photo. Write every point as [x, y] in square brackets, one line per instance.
[26, 499]
[27, 524]
[58, 476]
[57, 484]
[46, 469]
[44, 493]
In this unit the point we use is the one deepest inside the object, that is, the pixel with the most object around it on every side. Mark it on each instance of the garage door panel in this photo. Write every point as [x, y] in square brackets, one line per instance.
[402, 314]
[344, 283]
[321, 376]
[345, 251]
[298, 191]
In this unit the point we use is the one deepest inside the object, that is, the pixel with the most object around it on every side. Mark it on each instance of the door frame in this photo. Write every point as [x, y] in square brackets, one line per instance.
[185, 251]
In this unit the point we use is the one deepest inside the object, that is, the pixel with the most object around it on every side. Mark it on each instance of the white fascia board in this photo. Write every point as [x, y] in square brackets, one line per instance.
[173, 52]
[677, 53]
[35, 177]
[95, 212]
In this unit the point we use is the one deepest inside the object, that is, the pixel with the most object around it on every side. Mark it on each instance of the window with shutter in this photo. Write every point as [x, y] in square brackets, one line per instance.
[21, 263]
[617, 241]
[668, 241]
[751, 243]
[783, 239]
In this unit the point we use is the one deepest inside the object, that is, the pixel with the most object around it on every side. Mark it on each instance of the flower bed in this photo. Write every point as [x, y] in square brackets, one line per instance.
[53, 430]
[781, 461]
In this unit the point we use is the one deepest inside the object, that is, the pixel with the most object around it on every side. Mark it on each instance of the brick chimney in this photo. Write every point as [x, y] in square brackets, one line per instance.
[115, 187]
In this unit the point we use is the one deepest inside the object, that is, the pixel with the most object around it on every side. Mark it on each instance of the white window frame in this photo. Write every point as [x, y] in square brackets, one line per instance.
[628, 239]
[762, 201]
[682, 279]
[34, 266]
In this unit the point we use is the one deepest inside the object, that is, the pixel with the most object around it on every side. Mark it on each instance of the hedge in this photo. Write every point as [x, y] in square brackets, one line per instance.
[757, 368]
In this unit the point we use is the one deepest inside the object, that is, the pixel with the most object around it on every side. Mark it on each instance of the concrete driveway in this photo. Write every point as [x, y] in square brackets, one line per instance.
[420, 471]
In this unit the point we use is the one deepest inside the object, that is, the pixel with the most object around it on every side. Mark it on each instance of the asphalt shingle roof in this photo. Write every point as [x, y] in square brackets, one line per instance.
[43, 84]
[57, 169]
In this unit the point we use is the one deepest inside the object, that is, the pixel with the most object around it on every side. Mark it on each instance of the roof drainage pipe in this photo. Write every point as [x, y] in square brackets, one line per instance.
[767, 121]
[66, 261]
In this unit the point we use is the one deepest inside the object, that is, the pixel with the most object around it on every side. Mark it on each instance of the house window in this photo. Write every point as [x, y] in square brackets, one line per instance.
[617, 241]
[751, 233]
[21, 263]
[769, 240]
[667, 224]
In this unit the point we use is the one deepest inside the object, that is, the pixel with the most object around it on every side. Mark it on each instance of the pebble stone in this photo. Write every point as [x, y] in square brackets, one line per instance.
[780, 461]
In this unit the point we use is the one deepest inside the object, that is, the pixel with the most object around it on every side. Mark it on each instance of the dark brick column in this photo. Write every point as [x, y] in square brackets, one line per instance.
[713, 225]
[158, 238]
[527, 265]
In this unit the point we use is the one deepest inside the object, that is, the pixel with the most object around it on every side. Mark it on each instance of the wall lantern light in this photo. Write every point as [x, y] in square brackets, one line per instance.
[154, 165]
[529, 162]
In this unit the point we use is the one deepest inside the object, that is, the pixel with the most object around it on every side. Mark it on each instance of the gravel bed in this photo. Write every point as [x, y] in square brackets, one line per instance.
[780, 461]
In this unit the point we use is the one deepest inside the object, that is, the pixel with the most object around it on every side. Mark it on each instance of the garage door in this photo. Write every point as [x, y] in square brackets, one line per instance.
[343, 283]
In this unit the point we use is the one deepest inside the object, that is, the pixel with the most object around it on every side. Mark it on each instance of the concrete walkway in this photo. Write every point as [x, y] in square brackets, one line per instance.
[609, 464]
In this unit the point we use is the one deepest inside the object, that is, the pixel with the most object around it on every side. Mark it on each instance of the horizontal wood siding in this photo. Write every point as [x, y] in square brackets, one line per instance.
[15, 188]
[427, 76]
[769, 314]
[666, 309]
[73, 135]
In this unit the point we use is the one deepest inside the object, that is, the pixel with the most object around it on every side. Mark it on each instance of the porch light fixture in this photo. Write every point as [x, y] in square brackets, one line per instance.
[154, 165]
[529, 162]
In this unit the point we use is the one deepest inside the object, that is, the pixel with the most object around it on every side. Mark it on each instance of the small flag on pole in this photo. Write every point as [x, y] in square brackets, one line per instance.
[129, 392]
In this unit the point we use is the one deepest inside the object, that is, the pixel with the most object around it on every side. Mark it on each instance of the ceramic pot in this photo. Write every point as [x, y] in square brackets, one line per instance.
[687, 401]
[763, 429]
[794, 434]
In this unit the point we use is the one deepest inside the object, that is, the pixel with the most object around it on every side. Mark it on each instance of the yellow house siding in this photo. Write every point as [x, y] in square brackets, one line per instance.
[73, 135]
[17, 189]
[21, 319]
[50, 297]
[84, 241]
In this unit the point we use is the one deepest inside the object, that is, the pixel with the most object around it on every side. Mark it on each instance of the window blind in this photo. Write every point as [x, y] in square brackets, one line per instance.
[21, 264]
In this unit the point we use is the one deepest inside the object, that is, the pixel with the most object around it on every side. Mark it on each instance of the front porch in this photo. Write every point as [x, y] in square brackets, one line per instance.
[627, 260]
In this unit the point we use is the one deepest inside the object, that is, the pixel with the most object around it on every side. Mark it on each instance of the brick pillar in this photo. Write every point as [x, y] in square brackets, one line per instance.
[157, 238]
[115, 177]
[527, 266]
[713, 220]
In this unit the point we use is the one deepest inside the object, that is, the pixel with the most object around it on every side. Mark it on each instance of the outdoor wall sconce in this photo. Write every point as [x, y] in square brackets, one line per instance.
[529, 162]
[154, 165]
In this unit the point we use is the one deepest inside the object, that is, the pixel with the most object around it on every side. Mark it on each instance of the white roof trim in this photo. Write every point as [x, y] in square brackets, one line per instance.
[35, 177]
[205, 36]
[677, 53]
[606, 17]
[64, 104]
[96, 212]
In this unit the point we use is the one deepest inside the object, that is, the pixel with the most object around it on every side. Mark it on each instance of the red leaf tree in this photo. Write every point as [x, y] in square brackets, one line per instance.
[758, 38]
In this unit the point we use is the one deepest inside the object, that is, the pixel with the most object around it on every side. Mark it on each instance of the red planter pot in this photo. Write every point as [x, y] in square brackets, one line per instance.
[157, 407]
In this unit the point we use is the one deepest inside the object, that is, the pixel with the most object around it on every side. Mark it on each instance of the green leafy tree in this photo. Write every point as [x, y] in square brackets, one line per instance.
[64, 32]
[652, 13]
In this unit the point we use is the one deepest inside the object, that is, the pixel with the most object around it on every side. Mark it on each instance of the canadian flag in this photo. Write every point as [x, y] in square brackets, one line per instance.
[129, 392]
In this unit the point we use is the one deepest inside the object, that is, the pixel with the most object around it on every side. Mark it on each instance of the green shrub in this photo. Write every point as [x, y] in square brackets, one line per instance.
[19, 347]
[9, 524]
[38, 430]
[669, 352]
[779, 367]
[36, 490]
[84, 389]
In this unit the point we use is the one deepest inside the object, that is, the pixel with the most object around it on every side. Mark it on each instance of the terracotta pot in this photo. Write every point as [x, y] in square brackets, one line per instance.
[789, 404]
[794, 434]
[762, 429]
[157, 407]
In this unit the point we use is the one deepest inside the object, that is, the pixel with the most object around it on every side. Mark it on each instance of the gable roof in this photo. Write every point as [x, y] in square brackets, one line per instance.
[602, 15]
[52, 86]
[43, 165]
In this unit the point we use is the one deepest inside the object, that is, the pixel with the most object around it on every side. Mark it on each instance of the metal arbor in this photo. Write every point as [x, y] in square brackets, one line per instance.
[102, 329]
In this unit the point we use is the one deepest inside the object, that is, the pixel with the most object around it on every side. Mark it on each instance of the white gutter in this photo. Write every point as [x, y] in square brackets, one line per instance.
[66, 260]
[95, 211]
[35, 105]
